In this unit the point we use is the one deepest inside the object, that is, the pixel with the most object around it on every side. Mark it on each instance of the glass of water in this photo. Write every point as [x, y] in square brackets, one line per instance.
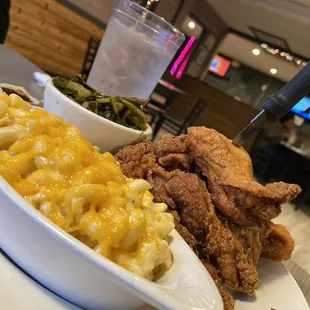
[135, 51]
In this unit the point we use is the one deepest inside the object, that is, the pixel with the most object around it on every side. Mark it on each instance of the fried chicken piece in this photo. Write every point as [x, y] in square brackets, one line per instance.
[172, 153]
[175, 214]
[137, 160]
[184, 233]
[225, 203]
[230, 179]
[170, 144]
[159, 190]
[228, 301]
[187, 236]
[279, 244]
[251, 238]
[251, 242]
[284, 192]
[215, 239]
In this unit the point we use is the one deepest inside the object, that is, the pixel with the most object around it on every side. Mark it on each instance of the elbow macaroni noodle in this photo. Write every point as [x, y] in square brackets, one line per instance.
[84, 192]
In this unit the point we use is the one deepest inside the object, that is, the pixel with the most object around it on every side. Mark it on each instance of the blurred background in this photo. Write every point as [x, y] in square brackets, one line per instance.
[236, 53]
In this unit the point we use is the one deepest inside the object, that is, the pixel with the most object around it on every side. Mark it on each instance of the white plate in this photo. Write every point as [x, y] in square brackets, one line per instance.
[278, 290]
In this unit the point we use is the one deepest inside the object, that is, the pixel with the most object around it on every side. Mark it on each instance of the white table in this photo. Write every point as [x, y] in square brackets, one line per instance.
[18, 70]
[19, 291]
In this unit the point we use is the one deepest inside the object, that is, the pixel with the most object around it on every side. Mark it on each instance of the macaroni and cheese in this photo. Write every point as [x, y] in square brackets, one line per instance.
[84, 192]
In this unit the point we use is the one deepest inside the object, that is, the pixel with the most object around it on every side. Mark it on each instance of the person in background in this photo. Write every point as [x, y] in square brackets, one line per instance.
[4, 19]
[269, 147]
[280, 131]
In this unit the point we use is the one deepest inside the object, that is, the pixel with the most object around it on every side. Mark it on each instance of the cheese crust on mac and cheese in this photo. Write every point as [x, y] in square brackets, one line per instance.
[84, 192]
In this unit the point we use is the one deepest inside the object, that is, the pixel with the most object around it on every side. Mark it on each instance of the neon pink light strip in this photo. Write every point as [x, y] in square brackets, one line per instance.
[180, 72]
[182, 55]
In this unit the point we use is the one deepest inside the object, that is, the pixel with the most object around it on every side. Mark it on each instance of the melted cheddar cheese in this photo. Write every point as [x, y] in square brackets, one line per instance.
[84, 192]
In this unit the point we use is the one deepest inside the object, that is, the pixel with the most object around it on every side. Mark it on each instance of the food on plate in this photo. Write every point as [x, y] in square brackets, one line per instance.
[219, 209]
[279, 244]
[18, 90]
[197, 214]
[124, 111]
[84, 192]
[230, 180]
[228, 300]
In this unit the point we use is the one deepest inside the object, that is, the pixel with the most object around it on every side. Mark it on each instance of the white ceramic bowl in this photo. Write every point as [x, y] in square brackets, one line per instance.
[72, 270]
[105, 134]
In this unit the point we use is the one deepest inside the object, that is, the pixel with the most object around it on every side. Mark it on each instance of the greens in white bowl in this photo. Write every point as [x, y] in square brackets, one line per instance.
[123, 111]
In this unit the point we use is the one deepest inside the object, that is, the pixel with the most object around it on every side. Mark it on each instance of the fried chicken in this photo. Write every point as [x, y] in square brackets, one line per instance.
[172, 153]
[228, 301]
[230, 179]
[219, 209]
[137, 160]
[187, 236]
[159, 189]
[279, 244]
[215, 239]
[250, 241]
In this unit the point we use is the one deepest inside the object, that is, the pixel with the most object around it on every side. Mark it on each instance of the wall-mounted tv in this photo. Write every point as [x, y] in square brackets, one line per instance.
[219, 65]
[302, 108]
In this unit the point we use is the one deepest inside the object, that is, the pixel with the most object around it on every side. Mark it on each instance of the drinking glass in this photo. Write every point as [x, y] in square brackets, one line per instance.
[136, 49]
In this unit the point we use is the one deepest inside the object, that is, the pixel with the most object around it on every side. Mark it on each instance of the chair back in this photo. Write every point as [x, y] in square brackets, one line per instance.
[92, 49]
[194, 113]
[185, 109]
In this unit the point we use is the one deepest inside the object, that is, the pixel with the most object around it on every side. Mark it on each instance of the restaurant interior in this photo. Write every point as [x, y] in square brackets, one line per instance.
[235, 54]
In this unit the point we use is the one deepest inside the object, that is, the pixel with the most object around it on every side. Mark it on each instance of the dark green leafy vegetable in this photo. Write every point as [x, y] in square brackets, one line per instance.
[79, 89]
[124, 111]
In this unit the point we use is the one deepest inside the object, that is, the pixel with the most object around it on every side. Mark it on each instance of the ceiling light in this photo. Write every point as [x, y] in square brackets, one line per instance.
[191, 25]
[256, 51]
[273, 71]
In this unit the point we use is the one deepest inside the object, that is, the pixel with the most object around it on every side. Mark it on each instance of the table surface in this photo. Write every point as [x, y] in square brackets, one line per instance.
[18, 70]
